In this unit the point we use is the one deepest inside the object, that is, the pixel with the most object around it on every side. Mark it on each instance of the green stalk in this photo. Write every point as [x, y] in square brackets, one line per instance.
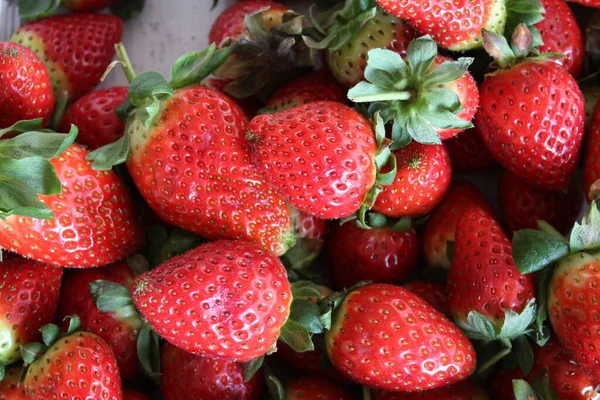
[123, 57]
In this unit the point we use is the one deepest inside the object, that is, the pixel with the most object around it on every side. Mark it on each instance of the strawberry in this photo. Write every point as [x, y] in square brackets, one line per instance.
[466, 390]
[468, 152]
[333, 148]
[386, 337]
[540, 143]
[133, 395]
[76, 48]
[455, 26]
[77, 365]
[95, 116]
[241, 320]
[11, 387]
[423, 178]
[87, 5]
[25, 91]
[591, 161]
[187, 376]
[118, 329]
[440, 227]
[313, 388]
[523, 206]
[432, 292]
[385, 253]
[310, 234]
[29, 292]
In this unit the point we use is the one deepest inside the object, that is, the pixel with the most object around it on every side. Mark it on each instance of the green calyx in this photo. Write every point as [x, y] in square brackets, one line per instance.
[25, 168]
[164, 245]
[541, 389]
[528, 12]
[30, 10]
[50, 334]
[411, 93]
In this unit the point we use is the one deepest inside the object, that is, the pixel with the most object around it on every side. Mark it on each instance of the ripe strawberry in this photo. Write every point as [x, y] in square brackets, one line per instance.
[25, 91]
[313, 388]
[455, 26]
[29, 292]
[465, 390]
[77, 236]
[591, 161]
[187, 376]
[132, 395]
[432, 292]
[118, 329]
[522, 206]
[95, 116]
[11, 387]
[240, 300]
[533, 126]
[76, 48]
[440, 228]
[332, 168]
[383, 253]
[87, 5]
[468, 152]
[386, 337]
[423, 178]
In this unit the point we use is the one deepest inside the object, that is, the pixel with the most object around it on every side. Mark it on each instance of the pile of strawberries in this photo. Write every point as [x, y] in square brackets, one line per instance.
[278, 218]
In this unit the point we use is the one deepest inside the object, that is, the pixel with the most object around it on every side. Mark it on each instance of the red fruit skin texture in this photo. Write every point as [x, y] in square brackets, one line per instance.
[186, 376]
[133, 395]
[433, 293]
[76, 48]
[465, 390]
[313, 388]
[377, 254]
[440, 227]
[25, 90]
[29, 293]
[11, 387]
[531, 119]
[468, 152]
[561, 34]
[78, 366]
[120, 335]
[230, 23]
[522, 206]
[87, 5]
[95, 116]
[591, 161]
[222, 299]
[423, 178]
[78, 237]
[194, 170]
[319, 156]
[388, 338]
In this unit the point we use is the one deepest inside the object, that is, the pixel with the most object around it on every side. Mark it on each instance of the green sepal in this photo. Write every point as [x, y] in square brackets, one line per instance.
[38, 143]
[193, 67]
[148, 348]
[541, 334]
[479, 327]
[138, 264]
[251, 367]
[128, 9]
[305, 290]
[32, 352]
[533, 250]
[112, 154]
[274, 386]
[523, 354]
[50, 333]
[146, 92]
[110, 296]
[528, 12]
[523, 391]
[585, 236]
[331, 303]
[31, 10]
[302, 254]
[307, 314]
[74, 323]
[543, 388]
[296, 336]
[2, 371]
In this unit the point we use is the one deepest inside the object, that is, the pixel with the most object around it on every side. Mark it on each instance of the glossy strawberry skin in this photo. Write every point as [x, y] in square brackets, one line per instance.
[25, 90]
[77, 237]
[319, 156]
[29, 293]
[81, 357]
[198, 174]
[76, 48]
[87, 5]
[389, 338]
[95, 116]
[423, 178]
[591, 161]
[379, 254]
[483, 276]
[531, 119]
[313, 388]
[11, 387]
[232, 299]
[432, 292]
[522, 206]
[187, 376]
[119, 334]
[465, 390]
[440, 227]
[468, 152]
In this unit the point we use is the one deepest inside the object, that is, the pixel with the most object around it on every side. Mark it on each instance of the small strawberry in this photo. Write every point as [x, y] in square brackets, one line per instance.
[187, 376]
[465, 390]
[533, 126]
[133, 395]
[385, 253]
[11, 387]
[87, 5]
[468, 152]
[313, 388]
[591, 161]
[76, 48]
[432, 292]
[386, 337]
[440, 227]
[95, 116]
[25, 91]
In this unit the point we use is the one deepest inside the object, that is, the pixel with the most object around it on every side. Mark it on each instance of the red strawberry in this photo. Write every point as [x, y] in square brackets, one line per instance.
[423, 177]
[119, 329]
[133, 395]
[11, 387]
[532, 126]
[312, 388]
[29, 293]
[380, 254]
[76, 48]
[522, 205]
[86, 5]
[238, 299]
[591, 163]
[432, 292]
[25, 91]
[386, 337]
[187, 376]
[468, 153]
[441, 225]
[77, 236]
[95, 116]
[320, 156]
[466, 390]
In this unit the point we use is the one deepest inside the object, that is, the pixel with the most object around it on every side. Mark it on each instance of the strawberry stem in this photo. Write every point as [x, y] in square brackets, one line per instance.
[123, 57]
[499, 356]
[366, 392]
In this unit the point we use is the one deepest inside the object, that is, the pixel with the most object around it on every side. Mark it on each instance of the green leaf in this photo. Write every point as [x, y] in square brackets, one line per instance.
[32, 352]
[403, 224]
[533, 250]
[498, 48]
[306, 313]
[479, 326]
[2, 371]
[30, 10]
[43, 144]
[50, 334]
[305, 290]
[296, 336]
[255, 24]
[516, 324]
[192, 68]
[543, 388]
[178, 242]
[523, 391]
[400, 135]
[74, 323]
[448, 71]
[148, 348]
[388, 62]
[250, 367]
[110, 296]
[542, 282]
[128, 9]
[148, 87]
[110, 155]
[420, 130]
[443, 119]
[23, 126]
[368, 92]
[524, 354]
[274, 387]
[387, 178]
[420, 55]
[443, 99]
[586, 235]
